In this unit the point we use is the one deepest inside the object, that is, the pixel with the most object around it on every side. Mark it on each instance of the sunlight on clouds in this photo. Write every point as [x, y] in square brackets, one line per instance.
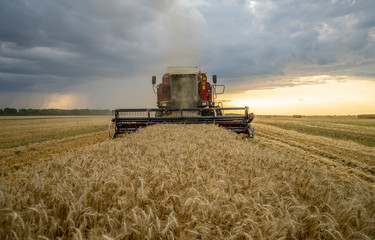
[251, 5]
[62, 101]
[330, 98]
[48, 52]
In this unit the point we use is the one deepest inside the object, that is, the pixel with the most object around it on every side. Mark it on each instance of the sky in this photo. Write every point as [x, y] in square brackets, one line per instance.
[278, 57]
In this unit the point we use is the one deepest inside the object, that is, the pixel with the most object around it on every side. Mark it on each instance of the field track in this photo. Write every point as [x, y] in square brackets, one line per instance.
[343, 158]
[26, 156]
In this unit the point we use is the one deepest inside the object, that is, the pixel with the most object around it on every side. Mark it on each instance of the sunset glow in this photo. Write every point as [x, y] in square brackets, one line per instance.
[62, 101]
[330, 98]
[278, 57]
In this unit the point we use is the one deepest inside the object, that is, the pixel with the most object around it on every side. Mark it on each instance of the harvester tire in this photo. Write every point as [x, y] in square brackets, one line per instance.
[208, 112]
[159, 113]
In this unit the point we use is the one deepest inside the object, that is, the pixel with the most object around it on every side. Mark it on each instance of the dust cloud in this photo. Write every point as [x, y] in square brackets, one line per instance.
[184, 90]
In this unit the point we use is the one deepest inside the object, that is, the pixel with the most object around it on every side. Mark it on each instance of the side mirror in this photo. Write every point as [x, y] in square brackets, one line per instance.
[214, 80]
[153, 80]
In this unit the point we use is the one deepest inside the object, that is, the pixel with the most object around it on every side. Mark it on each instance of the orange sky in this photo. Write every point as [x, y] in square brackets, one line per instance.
[316, 95]
[349, 97]
[63, 101]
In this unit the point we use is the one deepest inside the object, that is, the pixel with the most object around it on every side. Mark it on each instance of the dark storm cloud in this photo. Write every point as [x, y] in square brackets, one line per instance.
[61, 46]
[72, 41]
[266, 36]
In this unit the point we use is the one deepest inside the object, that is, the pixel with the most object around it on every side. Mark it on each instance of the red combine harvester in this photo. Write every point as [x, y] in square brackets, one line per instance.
[184, 96]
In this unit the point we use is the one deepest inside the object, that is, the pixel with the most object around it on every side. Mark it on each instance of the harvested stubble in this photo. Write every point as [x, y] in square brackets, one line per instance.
[345, 159]
[183, 181]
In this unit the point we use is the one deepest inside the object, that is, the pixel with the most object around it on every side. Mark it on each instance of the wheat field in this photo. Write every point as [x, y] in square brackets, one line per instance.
[25, 130]
[195, 182]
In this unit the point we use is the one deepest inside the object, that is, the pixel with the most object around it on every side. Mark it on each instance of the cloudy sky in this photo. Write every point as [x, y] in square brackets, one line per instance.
[292, 54]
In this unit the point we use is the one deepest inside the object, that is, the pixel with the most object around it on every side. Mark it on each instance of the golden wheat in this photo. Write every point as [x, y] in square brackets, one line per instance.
[345, 158]
[184, 181]
[21, 131]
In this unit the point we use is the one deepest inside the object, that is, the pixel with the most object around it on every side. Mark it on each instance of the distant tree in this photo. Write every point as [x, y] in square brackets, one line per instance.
[23, 112]
[53, 111]
[367, 116]
[10, 111]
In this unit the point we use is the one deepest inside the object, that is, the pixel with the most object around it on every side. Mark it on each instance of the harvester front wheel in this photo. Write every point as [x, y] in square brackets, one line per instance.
[208, 112]
[158, 113]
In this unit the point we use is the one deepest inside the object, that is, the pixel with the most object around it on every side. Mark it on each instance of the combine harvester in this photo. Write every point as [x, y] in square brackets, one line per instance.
[184, 96]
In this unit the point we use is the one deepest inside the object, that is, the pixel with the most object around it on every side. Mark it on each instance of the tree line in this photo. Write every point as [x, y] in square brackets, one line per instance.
[367, 116]
[52, 111]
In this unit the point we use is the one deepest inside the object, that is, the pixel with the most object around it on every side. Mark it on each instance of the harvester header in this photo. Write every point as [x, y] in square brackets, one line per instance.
[184, 96]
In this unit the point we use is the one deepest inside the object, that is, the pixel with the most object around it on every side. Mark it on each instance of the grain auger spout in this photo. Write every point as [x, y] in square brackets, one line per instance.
[184, 96]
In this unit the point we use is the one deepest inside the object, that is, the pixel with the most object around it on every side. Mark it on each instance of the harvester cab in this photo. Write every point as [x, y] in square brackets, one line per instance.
[183, 88]
[184, 96]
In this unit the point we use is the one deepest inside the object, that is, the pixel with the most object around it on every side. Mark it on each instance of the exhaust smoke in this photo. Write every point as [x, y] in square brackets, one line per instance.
[184, 92]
